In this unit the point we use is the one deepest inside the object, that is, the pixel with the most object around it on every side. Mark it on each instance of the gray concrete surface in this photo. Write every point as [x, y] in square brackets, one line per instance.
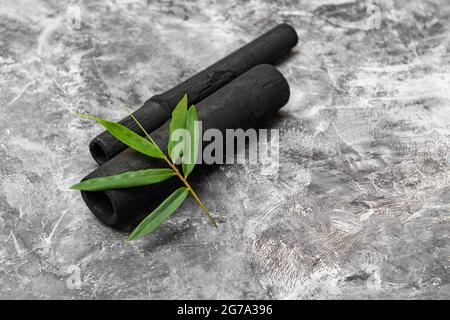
[359, 209]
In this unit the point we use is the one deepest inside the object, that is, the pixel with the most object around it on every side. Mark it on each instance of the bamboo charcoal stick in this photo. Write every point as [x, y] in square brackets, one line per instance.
[241, 104]
[266, 49]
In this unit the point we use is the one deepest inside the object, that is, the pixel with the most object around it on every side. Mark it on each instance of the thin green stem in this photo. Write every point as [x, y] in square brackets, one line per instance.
[186, 183]
[139, 124]
[177, 172]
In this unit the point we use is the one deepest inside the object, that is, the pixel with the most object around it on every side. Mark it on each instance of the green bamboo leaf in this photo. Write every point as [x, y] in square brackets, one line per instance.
[178, 121]
[160, 214]
[191, 146]
[125, 180]
[129, 137]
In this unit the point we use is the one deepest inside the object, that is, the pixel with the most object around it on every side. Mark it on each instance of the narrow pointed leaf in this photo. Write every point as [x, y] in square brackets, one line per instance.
[125, 180]
[178, 121]
[192, 144]
[128, 137]
[160, 214]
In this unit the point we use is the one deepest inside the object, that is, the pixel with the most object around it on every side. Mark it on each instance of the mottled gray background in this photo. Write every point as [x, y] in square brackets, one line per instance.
[360, 208]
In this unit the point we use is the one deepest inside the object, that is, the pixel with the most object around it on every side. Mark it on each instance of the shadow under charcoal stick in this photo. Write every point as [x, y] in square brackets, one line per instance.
[242, 103]
[268, 48]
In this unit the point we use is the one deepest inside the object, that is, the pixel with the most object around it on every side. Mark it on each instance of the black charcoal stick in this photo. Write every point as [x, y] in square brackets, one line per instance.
[157, 110]
[242, 103]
